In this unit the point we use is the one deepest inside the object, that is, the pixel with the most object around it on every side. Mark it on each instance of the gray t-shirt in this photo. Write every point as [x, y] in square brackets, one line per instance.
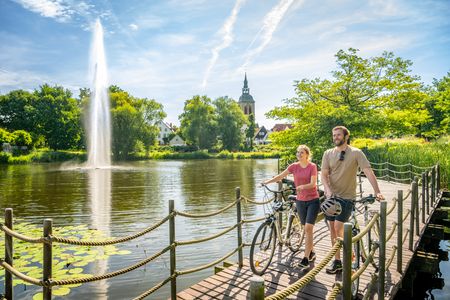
[343, 172]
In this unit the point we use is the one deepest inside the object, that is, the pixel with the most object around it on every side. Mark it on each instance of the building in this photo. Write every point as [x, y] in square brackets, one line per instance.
[281, 127]
[246, 101]
[261, 136]
[164, 131]
[177, 141]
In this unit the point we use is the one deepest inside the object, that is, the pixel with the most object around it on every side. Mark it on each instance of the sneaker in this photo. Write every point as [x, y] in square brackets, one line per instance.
[312, 256]
[335, 267]
[304, 263]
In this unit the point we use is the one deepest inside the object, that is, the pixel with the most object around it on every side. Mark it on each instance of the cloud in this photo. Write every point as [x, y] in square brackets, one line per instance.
[270, 24]
[227, 38]
[48, 8]
[133, 27]
[176, 39]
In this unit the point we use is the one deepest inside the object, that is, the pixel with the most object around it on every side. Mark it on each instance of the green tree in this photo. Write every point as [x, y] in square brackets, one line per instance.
[250, 131]
[22, 138]
[372, 97]
[230, 120]
[17, 110]
[198, 122]
[57, 117]
[134, 122]
[5, 137]
[438, 105]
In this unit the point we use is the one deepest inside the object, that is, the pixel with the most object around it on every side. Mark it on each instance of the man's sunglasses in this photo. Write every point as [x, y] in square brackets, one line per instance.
[342, 156]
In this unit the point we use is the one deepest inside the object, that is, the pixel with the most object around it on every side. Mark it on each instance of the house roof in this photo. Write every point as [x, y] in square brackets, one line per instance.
[281, 127]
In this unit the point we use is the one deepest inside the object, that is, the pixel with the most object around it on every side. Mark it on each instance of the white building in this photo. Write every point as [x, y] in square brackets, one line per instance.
[177, 141]
[164, 131]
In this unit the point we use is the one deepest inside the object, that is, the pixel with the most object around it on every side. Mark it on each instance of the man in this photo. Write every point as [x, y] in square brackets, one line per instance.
[339, 169]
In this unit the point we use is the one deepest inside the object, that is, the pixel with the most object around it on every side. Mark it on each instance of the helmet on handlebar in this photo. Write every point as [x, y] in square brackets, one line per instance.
[331, 207]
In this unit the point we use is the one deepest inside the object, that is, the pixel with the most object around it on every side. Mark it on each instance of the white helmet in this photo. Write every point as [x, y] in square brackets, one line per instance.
[331, 207]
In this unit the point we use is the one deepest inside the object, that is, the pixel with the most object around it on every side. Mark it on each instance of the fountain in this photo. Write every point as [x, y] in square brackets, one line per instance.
[99, 124]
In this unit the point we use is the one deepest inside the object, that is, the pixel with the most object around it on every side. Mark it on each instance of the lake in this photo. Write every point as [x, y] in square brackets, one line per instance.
[127, 199]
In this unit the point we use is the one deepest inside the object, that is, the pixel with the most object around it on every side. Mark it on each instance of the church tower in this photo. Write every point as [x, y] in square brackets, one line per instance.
[246, 101]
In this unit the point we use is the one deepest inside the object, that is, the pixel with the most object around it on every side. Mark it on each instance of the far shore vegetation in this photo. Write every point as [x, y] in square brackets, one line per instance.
[389, 111]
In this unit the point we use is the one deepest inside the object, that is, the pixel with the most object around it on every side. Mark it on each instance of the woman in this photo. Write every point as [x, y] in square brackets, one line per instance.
[308, 205]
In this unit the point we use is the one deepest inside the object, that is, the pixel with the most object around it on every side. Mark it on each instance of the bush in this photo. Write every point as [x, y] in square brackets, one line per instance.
[5, 136]
[21, 138]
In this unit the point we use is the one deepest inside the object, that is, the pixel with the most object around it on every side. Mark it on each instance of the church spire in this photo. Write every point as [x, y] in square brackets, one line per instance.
[245, 81]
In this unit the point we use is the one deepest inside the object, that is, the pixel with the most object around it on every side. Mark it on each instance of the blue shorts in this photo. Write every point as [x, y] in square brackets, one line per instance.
[308, 210]
[347, 208]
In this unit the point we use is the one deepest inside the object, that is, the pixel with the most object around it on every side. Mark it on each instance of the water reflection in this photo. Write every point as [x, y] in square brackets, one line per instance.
[99, 181]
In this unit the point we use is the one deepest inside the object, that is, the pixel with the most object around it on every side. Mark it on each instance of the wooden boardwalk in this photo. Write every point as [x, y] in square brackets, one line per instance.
[234, 282]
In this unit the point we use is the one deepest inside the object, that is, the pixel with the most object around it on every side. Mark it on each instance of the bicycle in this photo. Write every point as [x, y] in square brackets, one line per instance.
[265, 240]
[360, 251]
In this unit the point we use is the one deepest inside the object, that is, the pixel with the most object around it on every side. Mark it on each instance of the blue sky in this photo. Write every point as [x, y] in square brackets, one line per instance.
[171, 50]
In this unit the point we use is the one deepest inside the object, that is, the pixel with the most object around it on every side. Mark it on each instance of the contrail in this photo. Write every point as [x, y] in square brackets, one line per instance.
[270, 24]
[227, 38]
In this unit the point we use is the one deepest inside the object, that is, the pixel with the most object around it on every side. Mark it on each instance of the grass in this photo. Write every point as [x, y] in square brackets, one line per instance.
[412, 150]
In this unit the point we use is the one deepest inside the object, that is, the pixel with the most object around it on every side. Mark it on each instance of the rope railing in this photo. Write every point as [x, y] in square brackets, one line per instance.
[308, 276]
[188, 271]
[211, 214]
[110, 241]
[369, 226]
[195, 241]
[21, 236]
[257, 202]
[143, 262]
[363, 267]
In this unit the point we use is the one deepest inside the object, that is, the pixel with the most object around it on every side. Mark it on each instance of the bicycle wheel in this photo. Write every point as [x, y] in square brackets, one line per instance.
[263, 248]
[296, 234]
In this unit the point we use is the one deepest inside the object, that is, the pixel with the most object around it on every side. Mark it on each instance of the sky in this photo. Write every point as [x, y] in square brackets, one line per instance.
[171, 50]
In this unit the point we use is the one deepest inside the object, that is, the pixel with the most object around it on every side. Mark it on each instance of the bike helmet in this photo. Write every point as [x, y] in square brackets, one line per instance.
[331, 207]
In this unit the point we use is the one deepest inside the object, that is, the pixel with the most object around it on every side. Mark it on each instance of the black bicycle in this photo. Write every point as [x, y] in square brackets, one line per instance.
[265, 239]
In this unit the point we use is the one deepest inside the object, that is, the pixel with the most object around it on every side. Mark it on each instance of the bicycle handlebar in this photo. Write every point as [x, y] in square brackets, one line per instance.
[278, 192]
[364, 200]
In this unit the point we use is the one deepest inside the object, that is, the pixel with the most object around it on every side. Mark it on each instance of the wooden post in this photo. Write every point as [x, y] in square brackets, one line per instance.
[425, 191]
[382, 250]
[433, 185]
[411, 219]
[415, 186]
[47, 247]
[239, 226]
[411, 175]
[9, 254]
[438, 178]
[347, 262]
[387, 172]
[173, 256]
[423, 197]
[256, 288]
[428, 190]
[399, 230]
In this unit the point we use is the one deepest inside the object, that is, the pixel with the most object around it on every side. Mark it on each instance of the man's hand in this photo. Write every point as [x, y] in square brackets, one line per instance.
[379, 196]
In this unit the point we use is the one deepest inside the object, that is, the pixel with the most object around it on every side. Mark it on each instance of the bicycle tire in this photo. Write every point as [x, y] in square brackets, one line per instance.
[263, 247]
[296, 234]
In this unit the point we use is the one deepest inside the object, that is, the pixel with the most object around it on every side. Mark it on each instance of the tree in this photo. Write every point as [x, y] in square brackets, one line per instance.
[17, 110]
[230, 120]
[21, 138]
[198, 122]
[372, 97]
[57, 117]
[134, 122]
[250, 131]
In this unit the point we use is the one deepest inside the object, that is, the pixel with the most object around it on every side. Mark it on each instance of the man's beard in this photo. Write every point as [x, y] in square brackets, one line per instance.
[339, 143]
